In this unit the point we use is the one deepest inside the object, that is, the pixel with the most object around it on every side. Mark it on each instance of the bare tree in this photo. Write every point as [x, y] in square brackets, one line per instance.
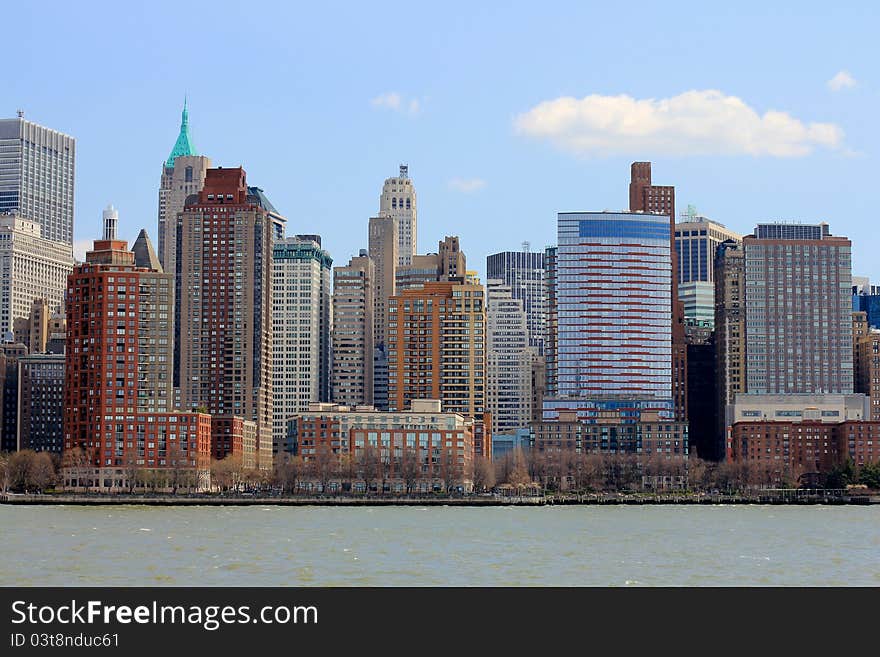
[4, 472]
[449, 471]
[41, 473]
[368, 466]
[410, 468]
[322, 466]
[484, 474]
[289, 472]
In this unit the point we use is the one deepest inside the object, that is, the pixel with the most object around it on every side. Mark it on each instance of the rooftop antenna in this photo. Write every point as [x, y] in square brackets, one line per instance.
[526, 246]
[20, 113]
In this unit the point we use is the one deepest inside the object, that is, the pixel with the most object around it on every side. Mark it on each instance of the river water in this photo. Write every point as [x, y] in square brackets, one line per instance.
[440, 546]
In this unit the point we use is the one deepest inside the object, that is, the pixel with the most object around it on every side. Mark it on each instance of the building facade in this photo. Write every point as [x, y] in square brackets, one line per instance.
[424, 443]
[301, 328]
[646, 197]
[398, 201]
[437, 350]
[523, 272]
[867, 381]
[351, 374]
[183, 174]
[730, 333]
[508, 359]
[798, 310]
[118, 416]
[614, 312]
[31, 267]
[224, 286]
[37, 166]
[10, 355]
[40, 402]
[384, 236]
[696, 243]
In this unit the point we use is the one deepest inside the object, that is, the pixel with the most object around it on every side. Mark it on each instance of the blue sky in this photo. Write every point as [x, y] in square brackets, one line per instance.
[320, 102]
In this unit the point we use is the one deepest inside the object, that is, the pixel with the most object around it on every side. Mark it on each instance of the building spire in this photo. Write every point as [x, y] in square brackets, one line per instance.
[184, 144]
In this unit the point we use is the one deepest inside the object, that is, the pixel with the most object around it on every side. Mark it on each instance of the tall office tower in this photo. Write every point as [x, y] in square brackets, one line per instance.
[183, 174]
[730, 332]
[224, 284]
[117, 392]
[40, 402]
[351, 374]
[437, 350]
[660, 199]
[448, 262]
[10, 354]
[383, 250]
[523, 272]
[398, 200]
[300, 328]
[31, 267]
[551, 332]
[37, 176]
[508, 359]
[696, 242]
[614, 307]
[798, 310]
[868, 359]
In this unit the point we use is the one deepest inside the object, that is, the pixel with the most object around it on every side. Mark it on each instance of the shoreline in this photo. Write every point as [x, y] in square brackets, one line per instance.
[476, 501]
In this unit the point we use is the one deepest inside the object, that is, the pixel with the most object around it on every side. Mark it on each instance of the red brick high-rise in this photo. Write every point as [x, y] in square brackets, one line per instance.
[223, 279]
[118, 415]
[660, 199]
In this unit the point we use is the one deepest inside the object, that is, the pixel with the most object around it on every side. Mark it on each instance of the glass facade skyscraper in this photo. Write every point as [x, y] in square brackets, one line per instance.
[523, 272]
[36, 176]
[614, 306]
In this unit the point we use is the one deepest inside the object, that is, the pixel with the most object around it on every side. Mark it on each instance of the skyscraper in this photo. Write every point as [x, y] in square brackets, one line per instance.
[644, 196]
[614, 273]
[449, 261]
[183, 174]
[224, 287]
[730, 332]
[551, 335]
[351, 374]
[40, 402]
[31, 267]
[117, 392]
[398, 200]
[300, 328]
[696, 242]
[383, 251]
[798, 310]
[523, 272]
[508, 359]
[437, 350]
[37, 176]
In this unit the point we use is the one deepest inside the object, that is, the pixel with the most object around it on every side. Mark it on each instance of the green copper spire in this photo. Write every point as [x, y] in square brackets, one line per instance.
[184, 144]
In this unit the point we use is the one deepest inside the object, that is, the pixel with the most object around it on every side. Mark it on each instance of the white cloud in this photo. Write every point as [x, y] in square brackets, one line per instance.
[397, 103]
[693, 123]
[467, 185]
[843, 80]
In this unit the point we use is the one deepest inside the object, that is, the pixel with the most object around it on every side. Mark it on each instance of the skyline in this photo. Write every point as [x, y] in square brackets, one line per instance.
[457, 97]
